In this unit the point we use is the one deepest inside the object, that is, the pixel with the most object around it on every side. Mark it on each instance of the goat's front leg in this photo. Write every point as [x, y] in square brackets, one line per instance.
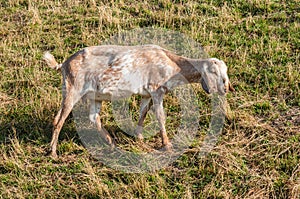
[157, 98]
[145, 106]
[95, 109]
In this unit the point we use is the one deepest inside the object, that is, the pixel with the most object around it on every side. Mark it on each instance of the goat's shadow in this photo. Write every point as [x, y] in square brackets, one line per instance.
[30, 129]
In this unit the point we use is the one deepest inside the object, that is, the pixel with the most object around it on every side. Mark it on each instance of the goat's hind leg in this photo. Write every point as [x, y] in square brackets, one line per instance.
[57, 117]
[67, 105]
[95, 109]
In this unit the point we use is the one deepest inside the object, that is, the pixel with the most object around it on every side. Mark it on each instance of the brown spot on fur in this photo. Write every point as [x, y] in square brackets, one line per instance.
[115, 63]
[73, 64]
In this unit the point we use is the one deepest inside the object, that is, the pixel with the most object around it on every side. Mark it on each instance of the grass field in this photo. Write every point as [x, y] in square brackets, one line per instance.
[258, 152]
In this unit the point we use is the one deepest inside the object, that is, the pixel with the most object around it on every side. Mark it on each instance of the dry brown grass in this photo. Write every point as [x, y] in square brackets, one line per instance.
[257, 155]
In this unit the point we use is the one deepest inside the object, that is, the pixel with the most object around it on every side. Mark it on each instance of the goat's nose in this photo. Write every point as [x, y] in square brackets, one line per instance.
[225, 89]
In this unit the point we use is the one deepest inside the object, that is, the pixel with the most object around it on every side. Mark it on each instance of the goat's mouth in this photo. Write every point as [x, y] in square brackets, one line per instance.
[228, 88]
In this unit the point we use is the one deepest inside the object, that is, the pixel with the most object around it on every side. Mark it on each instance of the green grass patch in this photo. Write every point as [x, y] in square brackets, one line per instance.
[257, 154]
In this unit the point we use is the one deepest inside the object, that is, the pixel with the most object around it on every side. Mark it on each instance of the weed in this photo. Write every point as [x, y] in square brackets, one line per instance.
[257, 155]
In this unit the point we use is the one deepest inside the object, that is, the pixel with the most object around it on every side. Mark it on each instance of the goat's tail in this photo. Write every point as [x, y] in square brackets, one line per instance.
[50, 60]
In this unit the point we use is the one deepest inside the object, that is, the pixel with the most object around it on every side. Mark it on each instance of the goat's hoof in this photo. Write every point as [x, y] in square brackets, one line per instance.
[138, 133]
[168, 147]
[110, 142]
[140, 137]
[52, 154]
[112, 145]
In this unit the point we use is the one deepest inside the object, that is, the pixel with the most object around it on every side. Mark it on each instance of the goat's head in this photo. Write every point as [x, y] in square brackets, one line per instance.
[214, 77]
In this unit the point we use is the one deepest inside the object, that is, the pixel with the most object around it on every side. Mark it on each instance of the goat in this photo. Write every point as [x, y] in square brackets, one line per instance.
[103, 73]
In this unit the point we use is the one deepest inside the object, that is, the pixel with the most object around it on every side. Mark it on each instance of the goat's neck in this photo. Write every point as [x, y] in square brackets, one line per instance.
[191, 69]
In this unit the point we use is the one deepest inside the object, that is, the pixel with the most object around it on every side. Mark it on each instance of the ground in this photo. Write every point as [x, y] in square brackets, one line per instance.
[257, 153]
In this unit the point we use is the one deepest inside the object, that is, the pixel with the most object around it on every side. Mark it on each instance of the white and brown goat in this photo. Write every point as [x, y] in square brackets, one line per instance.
[103, 73]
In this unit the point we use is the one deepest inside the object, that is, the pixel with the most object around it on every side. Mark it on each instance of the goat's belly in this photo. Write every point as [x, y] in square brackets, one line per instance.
[115, 94]
[98, 96]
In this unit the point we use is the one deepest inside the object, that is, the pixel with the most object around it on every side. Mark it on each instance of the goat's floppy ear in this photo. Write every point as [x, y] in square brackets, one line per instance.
[204, 85]
[231, 87]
